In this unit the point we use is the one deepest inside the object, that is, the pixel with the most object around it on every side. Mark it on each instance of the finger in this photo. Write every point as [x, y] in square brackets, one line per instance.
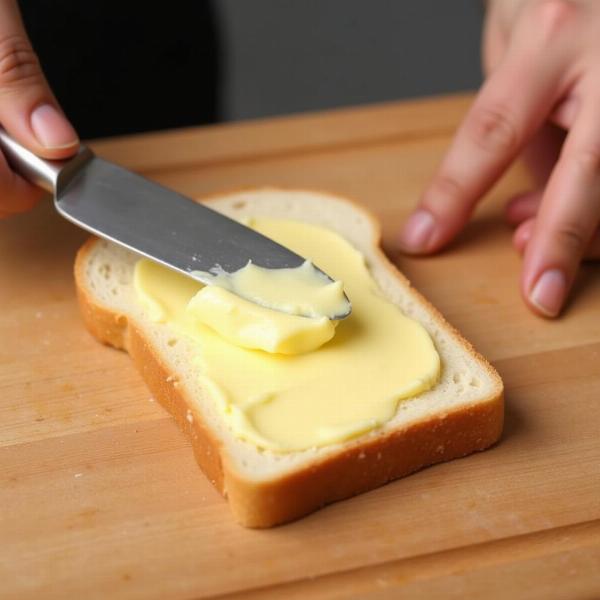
[494, 40]
[540, 155]
[28, 109]
[16, 194]
[567, 217]
[496, 128]
[523, 234]
[522, 207]
[565, 114]
[524, 231]
[542, 151]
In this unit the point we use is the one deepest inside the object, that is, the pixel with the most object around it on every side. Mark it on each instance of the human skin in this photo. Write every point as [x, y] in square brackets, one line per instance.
[541, 101]
[28, 111]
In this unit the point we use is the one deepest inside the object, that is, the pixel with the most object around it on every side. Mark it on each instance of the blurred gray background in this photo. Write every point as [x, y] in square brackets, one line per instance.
[285, 56]
[121, 67]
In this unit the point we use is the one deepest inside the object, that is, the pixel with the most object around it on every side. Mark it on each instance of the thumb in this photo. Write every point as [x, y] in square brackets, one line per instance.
[28, 109]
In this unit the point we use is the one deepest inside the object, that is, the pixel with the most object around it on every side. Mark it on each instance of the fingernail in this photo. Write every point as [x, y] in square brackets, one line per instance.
[51, 128]
[417, 231]
[549, 292]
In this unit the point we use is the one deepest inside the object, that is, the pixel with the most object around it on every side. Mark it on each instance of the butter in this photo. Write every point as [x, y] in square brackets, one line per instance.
[282, 402]
[302, 290]
[163, 293]
[249, 325]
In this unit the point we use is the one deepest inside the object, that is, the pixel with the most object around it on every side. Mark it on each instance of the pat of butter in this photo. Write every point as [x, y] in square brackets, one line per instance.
[303, 290]
[349, 386]
[249, 325]
[241, 322]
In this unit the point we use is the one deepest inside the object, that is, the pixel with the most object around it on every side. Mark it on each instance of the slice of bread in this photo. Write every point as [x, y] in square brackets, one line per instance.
[461, 414]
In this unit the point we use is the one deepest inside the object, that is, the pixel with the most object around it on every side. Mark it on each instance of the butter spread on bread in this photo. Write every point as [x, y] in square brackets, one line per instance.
[339, 390]
[462, 413]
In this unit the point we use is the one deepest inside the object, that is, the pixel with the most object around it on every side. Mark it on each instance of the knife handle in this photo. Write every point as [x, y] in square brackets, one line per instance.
[47, 174]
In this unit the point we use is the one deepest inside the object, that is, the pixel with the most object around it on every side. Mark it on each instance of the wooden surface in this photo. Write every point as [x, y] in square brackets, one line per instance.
[99, 493]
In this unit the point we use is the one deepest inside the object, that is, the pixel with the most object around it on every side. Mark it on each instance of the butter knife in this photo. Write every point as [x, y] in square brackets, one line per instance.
[128, 209]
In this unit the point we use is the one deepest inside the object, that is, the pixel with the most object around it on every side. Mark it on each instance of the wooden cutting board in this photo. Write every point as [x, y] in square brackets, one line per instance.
[99, 493]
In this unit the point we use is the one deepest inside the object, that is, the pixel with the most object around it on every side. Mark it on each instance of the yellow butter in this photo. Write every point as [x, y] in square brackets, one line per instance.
[249, 325]
[303, 290]
[347, 387]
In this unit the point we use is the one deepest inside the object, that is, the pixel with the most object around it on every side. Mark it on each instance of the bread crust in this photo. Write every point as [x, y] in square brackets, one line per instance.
[354, 469]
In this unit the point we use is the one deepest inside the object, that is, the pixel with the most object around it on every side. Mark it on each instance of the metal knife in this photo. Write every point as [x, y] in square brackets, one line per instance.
[128, 209]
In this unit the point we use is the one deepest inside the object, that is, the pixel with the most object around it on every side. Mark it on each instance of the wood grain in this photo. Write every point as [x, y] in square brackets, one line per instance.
[99, 493]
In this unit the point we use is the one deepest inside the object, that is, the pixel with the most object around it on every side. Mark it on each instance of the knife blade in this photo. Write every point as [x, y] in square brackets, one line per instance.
[147, 218]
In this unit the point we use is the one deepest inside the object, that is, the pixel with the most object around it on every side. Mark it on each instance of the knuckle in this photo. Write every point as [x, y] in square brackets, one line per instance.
[18, 61]
[585, 160]
[494, 130]
[446, 196]
[570, 237]
[551, 17]
[445, 187]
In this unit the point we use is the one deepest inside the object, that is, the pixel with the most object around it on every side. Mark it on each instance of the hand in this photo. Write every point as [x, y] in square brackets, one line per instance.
[542, 98]
[28, 111]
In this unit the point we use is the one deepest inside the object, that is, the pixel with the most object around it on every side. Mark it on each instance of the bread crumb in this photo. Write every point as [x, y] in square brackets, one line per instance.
[362, 455]
[151, 399]
[189, 416]
[77, 475]
[170, 378]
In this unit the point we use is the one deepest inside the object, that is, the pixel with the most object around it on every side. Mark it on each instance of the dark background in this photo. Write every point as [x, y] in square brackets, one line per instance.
[130, 66]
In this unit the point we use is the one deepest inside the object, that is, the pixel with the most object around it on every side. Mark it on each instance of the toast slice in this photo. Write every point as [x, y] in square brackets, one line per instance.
[461, 414]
